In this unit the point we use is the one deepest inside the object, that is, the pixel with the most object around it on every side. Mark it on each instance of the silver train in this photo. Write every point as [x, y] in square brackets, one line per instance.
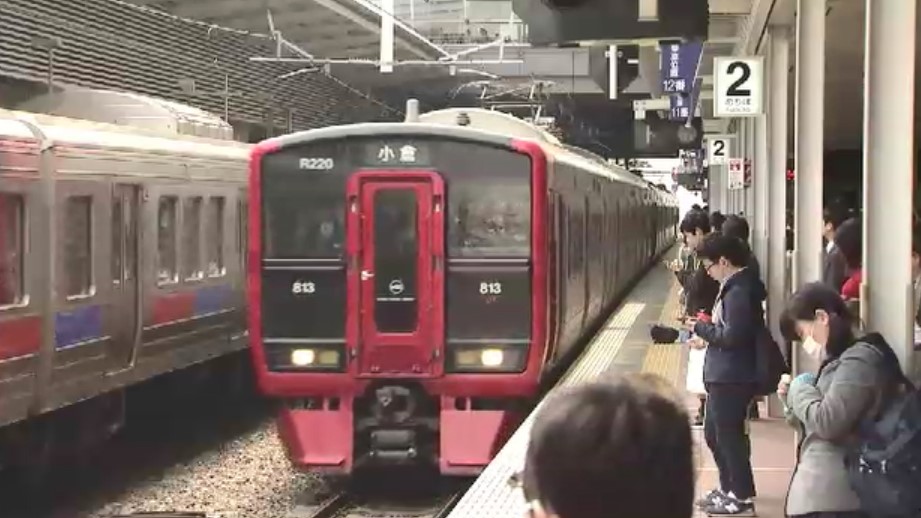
[121, 256]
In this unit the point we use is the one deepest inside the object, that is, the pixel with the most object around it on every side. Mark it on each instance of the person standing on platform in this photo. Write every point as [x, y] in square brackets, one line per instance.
[737, 227]
[700, 289]
[730, 373]
[834, 267]
[828, 406]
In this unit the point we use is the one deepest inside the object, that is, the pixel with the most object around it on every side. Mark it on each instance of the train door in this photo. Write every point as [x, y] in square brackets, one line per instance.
[125, 283]
[396, 233]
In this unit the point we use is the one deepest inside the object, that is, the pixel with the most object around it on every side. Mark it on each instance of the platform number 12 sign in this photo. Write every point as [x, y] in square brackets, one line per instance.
[738, 86]
[717, 150]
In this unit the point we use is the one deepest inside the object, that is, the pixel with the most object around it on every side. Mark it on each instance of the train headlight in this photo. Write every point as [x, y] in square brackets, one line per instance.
[488, 359]
[492, 357]
[305, 359]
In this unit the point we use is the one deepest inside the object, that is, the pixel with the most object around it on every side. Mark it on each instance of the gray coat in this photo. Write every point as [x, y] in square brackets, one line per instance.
[848, 389]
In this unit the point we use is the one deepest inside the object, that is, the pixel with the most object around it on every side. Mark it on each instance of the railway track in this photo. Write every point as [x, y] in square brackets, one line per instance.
[362, 504]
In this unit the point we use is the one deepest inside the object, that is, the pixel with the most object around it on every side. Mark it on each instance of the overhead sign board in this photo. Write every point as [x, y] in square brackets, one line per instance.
[718, 150]
[606, 22]
[679, 108]
[736, 173]
[738, 86]
[678, 66]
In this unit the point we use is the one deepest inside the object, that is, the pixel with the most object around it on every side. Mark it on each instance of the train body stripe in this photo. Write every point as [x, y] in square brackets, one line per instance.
[77, 325]
[212, 299]
[20, 336]
[171, 307]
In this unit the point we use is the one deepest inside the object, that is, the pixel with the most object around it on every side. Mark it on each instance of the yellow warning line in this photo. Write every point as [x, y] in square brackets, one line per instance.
[665, 359]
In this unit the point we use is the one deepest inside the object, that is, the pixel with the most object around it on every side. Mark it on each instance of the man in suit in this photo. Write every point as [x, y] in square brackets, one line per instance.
[834, 267]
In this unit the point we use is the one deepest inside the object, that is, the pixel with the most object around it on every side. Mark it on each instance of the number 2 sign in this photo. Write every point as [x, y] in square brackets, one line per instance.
[738, 86]
[718, 149]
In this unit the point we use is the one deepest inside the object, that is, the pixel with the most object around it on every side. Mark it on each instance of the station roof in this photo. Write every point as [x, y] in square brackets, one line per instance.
[326, 29]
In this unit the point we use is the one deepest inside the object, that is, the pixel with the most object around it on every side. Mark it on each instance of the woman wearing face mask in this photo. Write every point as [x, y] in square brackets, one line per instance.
[828, 407]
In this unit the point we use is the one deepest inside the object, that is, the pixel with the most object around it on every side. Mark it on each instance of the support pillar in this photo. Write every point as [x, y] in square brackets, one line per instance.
[760, 197]
[888, 172]
[809, 150]
[777, 175]
[750, 155]
[774, 216]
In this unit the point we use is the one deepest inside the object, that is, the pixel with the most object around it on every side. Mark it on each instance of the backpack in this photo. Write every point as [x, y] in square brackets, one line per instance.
[770, 363]
[884, 468]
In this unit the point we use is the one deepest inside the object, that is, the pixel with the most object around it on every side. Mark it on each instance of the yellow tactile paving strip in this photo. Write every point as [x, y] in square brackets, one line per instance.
[666, 359]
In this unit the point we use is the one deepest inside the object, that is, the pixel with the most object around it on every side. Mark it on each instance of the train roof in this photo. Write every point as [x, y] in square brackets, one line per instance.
[17, 124]
[478, 124]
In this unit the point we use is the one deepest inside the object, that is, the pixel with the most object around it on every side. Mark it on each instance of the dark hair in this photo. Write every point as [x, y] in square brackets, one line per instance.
[849, 239]
[736, 226]
[694, 220]
[696, 207]
[834, 215]
[719, 245]
[717, 219]
[916, 240]
[625, 444]
[803, 305]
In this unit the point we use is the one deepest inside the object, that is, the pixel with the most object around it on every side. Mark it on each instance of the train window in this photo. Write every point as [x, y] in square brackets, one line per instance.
[191, 238]
[117, 228]
[490, 218]
[242, 231]
[167, 217]
[215, 237]
[12, 212]
[304, 215]
[78, 246]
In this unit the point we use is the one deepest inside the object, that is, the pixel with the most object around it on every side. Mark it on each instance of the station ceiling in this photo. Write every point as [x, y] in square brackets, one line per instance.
[326, 29]
[351, 29]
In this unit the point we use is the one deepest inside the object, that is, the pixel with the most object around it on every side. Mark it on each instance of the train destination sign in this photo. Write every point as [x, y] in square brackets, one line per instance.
[396, 153]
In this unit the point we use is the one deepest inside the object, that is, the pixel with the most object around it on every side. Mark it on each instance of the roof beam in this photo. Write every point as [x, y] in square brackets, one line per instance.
[737, 7]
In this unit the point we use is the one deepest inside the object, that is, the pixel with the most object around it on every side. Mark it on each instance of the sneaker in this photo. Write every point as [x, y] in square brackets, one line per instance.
[713, 496]
[729, 505]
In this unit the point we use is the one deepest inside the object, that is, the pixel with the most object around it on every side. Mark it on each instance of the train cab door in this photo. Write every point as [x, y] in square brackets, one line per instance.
[396, 279]
[125, 304]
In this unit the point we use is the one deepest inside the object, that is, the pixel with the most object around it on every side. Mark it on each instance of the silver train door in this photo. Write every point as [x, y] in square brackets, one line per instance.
[125, 283]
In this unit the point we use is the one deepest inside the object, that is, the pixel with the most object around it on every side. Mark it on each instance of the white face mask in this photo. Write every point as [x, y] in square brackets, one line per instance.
[813, 348]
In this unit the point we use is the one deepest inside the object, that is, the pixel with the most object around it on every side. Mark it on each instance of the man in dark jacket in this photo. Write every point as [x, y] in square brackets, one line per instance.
[834, 267]
[699, 288]
[730, 372]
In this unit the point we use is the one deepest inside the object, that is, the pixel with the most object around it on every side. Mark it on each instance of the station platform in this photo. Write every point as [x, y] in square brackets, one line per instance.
[621, 347]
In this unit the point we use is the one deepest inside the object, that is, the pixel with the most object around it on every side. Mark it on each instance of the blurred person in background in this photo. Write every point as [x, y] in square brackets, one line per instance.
[834, 267]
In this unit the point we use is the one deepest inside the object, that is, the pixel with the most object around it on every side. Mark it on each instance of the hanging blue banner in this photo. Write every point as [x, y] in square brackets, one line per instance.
[679, 107]
[678, 66]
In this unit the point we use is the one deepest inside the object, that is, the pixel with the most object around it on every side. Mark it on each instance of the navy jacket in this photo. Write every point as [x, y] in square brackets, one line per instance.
[732, 340]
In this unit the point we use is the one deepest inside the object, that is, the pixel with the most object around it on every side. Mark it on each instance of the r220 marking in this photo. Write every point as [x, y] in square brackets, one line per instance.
[316, 164]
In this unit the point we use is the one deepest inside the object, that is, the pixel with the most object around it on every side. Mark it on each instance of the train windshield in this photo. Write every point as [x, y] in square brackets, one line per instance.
[488, 191]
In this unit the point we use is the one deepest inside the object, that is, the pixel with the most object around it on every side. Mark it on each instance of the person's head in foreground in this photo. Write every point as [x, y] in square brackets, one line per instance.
[609, 450]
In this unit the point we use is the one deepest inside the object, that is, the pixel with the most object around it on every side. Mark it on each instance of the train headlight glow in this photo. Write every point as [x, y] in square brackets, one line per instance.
[492, 357]
[303, 357]
[319, 358]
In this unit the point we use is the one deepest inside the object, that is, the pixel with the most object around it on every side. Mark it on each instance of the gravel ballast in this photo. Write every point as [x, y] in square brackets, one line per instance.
[246, 477]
